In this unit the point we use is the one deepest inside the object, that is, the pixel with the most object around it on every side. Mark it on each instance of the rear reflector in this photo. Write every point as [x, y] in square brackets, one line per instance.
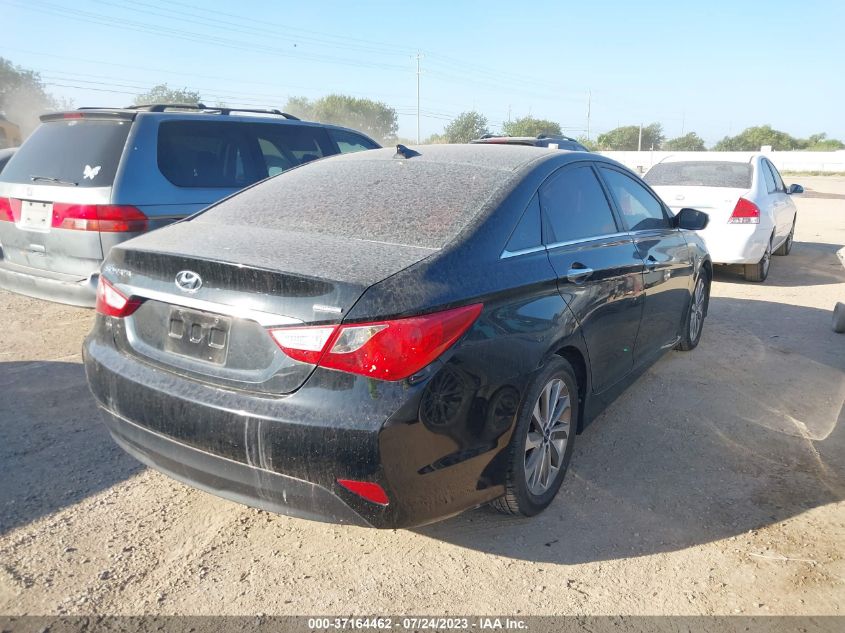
[368, 490]
[10, 210]
[111, 302]
[745, 212]
[387, 350]
[105, 218]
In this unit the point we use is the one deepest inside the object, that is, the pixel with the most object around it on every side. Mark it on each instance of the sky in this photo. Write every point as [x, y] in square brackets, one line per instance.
[711, 67]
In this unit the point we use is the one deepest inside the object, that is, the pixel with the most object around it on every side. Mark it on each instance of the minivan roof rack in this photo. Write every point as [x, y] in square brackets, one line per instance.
[562, 137]
[224, 110]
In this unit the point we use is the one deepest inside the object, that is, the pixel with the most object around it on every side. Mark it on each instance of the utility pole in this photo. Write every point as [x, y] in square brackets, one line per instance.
[418, 97]
[589, 95]
[640, 142]
[509, 113]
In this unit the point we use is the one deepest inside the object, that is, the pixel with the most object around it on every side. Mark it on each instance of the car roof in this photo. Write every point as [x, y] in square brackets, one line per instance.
[179, 111]
[481, 155]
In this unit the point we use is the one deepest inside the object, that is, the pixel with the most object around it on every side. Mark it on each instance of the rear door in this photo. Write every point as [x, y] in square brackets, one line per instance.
[666, 255]
[68, 163]
[599, 273]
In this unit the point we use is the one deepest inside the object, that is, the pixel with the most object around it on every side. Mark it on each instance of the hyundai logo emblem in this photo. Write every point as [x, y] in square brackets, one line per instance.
[188, 281]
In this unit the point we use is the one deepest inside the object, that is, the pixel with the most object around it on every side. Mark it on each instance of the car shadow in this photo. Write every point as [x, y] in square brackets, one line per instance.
[54, 449]
[745, 431]
[809, 264]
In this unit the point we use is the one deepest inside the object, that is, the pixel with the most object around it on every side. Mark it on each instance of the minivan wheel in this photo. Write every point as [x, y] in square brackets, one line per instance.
[542, 442]
[694, 325]
[760, 270]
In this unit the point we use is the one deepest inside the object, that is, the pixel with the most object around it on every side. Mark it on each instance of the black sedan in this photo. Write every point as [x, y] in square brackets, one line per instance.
[391, 337]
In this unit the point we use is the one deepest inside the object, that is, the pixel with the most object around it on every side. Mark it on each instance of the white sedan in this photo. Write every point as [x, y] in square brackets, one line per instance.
[751, 211]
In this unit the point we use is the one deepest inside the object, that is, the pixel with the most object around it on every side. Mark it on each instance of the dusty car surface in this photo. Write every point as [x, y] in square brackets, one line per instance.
[391, 337]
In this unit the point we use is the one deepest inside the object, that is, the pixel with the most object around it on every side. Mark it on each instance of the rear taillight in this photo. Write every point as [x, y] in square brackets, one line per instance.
[10, 210]
[387, 350]
[745, 212]
[111, 302]
[105, 218]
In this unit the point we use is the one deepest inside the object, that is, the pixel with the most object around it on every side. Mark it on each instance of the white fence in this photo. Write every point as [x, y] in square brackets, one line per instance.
[784, 161]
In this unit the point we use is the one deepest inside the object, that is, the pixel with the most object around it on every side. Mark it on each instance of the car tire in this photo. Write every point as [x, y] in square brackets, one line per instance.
[533, 477]
[786, 248]
[759, 271]
[694, 323]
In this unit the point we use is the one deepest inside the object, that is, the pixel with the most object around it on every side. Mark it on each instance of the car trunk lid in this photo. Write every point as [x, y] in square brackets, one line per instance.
[717, 202]
[238, 281]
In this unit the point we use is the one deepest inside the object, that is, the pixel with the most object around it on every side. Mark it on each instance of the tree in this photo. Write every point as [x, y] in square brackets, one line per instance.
[373, 118]
[164, 94]
[465, 127]
[529, 126]
[691, 142]
[590, 144]
[820, 143]
[627, 137]
[753, 138]
[23, 96]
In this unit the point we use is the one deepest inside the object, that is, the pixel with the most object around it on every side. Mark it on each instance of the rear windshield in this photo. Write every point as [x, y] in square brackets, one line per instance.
[421, 203]
[209, 154]
[84, 152]
[700, 174]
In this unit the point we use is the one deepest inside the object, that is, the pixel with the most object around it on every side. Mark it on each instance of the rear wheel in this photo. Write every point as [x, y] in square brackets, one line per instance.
[543, 439]
[760, 270]
[694, 325]
[786, 247]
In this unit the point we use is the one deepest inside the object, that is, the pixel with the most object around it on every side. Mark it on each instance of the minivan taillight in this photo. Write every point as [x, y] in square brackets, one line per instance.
[111, 302]
[745, 212]
[10, 210]
[387, 350]
[105, 218]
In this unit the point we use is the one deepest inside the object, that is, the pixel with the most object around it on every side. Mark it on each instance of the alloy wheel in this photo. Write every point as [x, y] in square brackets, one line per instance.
[696, 317]
[548, 435]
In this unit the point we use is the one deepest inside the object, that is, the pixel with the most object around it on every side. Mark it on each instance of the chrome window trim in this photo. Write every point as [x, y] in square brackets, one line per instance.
[523, 251]
[546, 247]
[594, 238]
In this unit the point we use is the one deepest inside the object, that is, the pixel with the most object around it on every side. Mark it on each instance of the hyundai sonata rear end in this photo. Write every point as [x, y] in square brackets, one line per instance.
[382, 339]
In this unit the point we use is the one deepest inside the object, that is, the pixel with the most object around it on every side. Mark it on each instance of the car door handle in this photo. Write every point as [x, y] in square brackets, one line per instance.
[578, 273]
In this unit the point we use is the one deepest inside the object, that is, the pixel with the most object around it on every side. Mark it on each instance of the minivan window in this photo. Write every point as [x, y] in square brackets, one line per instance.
[700, 174]
[640, 210]
[84, 152]
[575, 206]
[350, 142]
[212, 154]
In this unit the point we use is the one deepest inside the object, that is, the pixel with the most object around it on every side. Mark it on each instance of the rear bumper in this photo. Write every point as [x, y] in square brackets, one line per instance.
[736, 243]
[229, 479]
[286, 453]
[29, 282]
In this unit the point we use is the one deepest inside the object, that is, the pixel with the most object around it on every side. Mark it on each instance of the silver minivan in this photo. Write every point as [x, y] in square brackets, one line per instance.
[88, 179]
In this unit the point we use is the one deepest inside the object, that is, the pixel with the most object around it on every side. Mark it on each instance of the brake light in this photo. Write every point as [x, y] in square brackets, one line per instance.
[111, 302]
[106, 218]
[387, 350]
[72, 115]
[10, 210]
[745, 212]
[366, 490]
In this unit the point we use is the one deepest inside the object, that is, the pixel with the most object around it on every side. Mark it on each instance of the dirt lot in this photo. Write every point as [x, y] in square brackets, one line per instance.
[714, 486]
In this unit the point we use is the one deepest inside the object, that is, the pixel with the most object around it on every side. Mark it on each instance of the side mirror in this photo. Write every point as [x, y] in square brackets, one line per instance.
[794, 189]
[691, 219]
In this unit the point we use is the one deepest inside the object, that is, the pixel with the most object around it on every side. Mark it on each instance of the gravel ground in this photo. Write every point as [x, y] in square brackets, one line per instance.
[715, 485]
